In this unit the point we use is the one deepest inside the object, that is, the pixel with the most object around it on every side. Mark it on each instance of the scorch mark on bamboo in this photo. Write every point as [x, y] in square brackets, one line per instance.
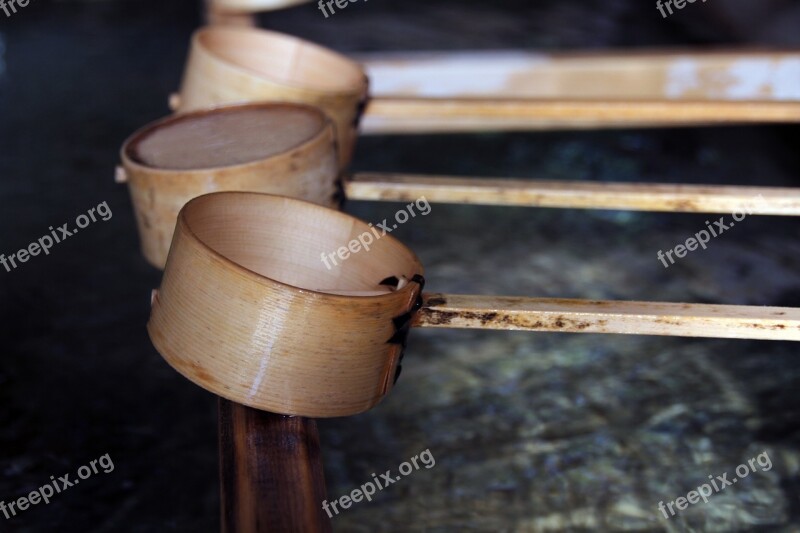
[444, 318]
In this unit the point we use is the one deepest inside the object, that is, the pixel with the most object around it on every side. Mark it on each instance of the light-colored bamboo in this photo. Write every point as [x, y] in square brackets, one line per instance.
[284, 149]
[590, 316]
[468, 92]
[443, 189]
[250, 308]
[237, 312]
[229, 65]
[463, 92]
[460, 115]
[724, 75]
[783, 201]
[514, 90]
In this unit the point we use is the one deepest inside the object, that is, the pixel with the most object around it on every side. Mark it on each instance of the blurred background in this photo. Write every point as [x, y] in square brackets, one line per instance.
[530, 431]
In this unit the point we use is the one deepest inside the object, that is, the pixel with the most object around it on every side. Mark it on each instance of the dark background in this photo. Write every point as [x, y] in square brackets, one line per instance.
[530, 431]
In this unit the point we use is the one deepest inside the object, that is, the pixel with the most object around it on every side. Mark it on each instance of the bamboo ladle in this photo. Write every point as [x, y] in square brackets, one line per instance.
[248, 310]
[271, 476]
[270, 467]
[286, 149]
[289, 149]
[525, 92]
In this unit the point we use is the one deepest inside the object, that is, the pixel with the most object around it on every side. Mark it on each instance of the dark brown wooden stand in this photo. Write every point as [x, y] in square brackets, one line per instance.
[271, 476]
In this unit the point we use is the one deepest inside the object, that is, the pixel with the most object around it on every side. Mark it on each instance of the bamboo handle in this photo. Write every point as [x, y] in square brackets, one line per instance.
[783, 201]
[431, 115]
[271, 476]
[589, 316]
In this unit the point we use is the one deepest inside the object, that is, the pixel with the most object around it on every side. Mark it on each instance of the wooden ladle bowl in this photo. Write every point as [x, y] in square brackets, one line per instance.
[285, 149]
[230, 65]
[248, 309]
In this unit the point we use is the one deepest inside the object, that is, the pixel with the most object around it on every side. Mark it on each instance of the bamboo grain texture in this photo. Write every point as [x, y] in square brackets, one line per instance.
[435, 115]
[232, 65]
[735, 74]
[237, 312]
[284, 149]
[474, 92]
[783, 201]
[245, 310]
[606, 316]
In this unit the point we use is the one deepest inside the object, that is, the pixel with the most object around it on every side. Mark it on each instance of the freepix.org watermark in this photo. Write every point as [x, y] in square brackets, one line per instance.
[719, 483]
[679, 4]
[703, 237]
[370, 488]
[63, 232]
[56, 486]
[365, 240]
[341, 4]
[9, 7]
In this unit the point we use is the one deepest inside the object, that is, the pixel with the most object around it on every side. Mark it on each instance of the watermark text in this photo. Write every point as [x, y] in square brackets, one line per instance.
[55, 486]
[719, 483]
[370, 488]
[366, 239]
[12, 5]
[679, 4]
[703, 237]
[44, 243]
[341, 4]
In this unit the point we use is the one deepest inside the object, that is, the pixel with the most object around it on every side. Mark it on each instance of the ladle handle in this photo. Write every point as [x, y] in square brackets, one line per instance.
[621, 317]
[783, 201]
[438, 115]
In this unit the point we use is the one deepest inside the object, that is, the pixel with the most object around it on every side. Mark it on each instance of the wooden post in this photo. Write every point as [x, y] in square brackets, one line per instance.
[271, 476]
